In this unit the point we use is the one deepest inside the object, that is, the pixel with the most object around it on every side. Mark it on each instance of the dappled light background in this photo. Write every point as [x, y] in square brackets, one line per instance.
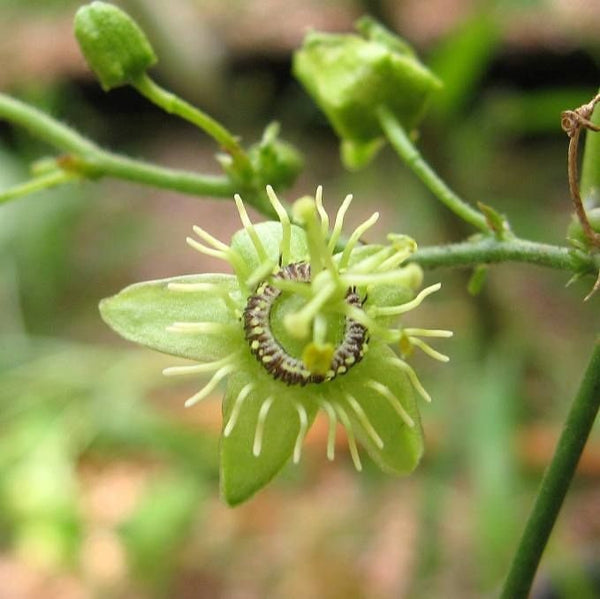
[109, 487]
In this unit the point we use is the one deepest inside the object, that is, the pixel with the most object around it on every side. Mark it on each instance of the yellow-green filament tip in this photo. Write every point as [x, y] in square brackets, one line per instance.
[249, 227]
[339, 222]
[354, 238]
[286, 228]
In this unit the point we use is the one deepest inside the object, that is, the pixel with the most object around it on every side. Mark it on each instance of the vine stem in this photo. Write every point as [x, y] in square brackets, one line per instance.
[88, 160]
[489, 250]
[555, 483]
[173, 104]
[401, 142]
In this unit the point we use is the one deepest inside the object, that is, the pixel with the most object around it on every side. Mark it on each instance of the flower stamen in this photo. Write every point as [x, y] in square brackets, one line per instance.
[321, 210]
[211, 385]
[345, 420]
[218, 328]
[364, 421]
[286, 227]
[412, 376]
[339, 222]
[260, 425]
[354, 238]
[237, 406]
[303, 417]
[199, 368]
[331, 429]
[385, 392]
[426, 348]
[442, 333]
[407, 306]
[249, 227]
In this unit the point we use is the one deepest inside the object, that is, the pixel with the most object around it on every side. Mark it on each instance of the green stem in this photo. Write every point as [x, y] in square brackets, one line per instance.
[47, 181]
[44, 126]
[89, 160]
[400, 141]
[105, 163]
[555, 483]
[489, 251]
[173, 104]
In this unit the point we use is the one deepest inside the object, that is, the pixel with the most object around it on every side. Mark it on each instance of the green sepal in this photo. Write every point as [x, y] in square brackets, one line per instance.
[143, 312]
[403, 445]
[113, 44]
[357, 154]
[349, 76]
[243, 473]
[269, 233]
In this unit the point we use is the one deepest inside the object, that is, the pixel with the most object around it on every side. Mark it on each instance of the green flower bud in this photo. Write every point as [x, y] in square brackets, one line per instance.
[114, 46]
[349, 76]
[275, 161]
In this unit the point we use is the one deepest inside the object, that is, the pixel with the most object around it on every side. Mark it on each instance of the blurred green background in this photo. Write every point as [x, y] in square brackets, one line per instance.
[109, 488]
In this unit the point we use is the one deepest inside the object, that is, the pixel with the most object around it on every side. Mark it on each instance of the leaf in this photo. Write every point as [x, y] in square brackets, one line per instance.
[143, 312]
[242, 472]
[402, 445]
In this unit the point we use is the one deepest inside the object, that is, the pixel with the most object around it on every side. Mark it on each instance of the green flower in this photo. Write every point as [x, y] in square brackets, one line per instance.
[299, 327]
[350, 76]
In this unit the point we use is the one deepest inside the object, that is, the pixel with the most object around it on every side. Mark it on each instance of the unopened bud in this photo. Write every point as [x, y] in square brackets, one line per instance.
[113, 44]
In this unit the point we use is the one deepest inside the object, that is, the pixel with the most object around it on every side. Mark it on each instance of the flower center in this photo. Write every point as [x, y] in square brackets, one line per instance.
[319, 362]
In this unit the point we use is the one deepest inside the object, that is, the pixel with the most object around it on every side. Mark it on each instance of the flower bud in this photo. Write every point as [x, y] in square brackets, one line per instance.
[350, 75]
[275, 161]
[114, 46]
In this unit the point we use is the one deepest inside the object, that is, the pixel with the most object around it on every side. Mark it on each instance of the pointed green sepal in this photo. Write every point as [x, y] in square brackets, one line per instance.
[146, 312]
[251, 457]
[401, 446]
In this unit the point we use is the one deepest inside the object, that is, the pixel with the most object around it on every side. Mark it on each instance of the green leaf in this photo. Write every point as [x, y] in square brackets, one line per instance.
[402, 445]
[242, 472]
[142, 313]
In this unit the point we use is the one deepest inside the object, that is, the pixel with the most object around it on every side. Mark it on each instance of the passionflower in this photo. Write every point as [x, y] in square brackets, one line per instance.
[305, 323]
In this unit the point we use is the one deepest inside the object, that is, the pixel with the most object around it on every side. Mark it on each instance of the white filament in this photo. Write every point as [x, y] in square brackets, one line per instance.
[350, 433]
[364, 420]
[393, 401]
[303, 417]
[237, 406]
[260, 425]
[211, 385]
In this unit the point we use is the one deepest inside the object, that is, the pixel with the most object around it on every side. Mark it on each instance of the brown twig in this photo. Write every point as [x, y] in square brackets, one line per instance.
[572, 122]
